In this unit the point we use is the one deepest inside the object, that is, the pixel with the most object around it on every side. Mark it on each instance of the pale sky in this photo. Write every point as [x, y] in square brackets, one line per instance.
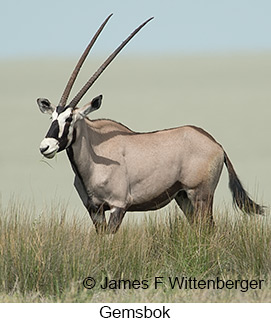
[34, 28]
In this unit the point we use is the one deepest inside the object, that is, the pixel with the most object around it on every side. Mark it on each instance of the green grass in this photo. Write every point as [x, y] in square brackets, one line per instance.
[44, 257]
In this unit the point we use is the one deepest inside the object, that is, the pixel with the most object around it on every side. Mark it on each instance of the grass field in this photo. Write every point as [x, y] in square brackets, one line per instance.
[44, 257]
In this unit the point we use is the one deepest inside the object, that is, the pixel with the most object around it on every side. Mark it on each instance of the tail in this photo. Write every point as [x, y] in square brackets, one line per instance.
[240, 196]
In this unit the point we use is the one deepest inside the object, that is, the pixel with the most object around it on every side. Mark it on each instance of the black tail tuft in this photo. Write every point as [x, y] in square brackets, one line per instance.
[240, 196]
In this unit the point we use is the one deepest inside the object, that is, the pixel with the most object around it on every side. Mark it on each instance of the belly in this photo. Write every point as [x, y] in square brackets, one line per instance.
[158, 201]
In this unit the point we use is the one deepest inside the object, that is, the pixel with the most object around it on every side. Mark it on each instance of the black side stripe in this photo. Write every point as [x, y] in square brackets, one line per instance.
[74, 167]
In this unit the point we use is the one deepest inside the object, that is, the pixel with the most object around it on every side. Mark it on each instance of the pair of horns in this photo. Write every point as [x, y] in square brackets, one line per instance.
[99, 71]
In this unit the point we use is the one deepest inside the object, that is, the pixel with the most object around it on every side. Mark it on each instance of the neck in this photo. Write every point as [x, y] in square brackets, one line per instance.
[80, 153]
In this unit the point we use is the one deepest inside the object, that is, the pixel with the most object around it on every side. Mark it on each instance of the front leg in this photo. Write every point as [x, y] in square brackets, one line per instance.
[97, 215]
[99, 220]
[116, 217]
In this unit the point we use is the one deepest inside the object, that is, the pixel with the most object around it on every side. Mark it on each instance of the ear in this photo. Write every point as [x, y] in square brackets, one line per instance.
[45, 106]
[92, 106]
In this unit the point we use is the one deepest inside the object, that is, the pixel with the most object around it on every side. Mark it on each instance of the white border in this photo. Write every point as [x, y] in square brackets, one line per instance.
[179, 312]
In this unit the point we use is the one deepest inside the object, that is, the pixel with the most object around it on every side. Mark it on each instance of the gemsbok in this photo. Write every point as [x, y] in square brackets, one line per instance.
[120, 170]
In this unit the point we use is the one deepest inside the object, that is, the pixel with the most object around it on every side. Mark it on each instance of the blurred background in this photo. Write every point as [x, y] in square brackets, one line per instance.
[206, 63]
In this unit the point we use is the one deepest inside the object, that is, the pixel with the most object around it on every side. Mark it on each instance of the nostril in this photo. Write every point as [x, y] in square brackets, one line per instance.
[43, 149]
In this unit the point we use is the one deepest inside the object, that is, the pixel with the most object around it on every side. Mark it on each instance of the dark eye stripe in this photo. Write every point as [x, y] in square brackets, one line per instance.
[53, 130]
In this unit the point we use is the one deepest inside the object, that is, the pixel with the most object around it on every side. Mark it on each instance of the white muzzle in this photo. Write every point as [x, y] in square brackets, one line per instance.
[49, 147]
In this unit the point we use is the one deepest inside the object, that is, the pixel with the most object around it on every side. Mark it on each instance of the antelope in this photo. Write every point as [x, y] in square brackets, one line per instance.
[120, 170]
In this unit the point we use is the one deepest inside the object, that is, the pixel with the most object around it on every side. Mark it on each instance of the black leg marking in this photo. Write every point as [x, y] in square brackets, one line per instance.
[115, 220]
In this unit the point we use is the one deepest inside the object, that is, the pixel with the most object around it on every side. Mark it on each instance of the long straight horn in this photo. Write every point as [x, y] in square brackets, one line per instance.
[77, 68]
[94, 77]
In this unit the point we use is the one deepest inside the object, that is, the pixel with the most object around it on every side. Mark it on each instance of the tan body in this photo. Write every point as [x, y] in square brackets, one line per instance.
[129, 171]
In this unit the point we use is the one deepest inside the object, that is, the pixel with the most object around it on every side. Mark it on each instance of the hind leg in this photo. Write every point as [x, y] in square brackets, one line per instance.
[185, 205]
[197, 207]
[203, 206]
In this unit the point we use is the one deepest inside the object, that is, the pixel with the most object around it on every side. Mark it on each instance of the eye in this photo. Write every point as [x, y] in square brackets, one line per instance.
[69, 119]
